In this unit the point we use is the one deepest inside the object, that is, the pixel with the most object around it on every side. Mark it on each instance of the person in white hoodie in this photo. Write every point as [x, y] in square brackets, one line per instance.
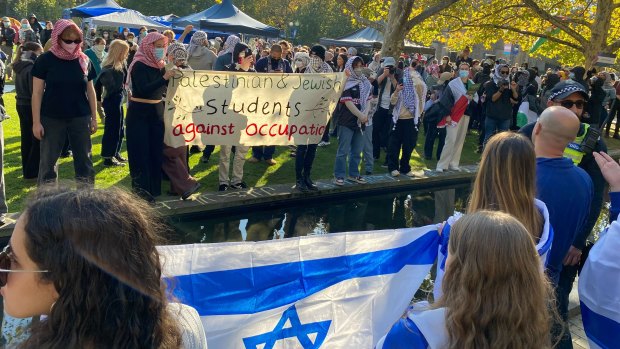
[200, 57]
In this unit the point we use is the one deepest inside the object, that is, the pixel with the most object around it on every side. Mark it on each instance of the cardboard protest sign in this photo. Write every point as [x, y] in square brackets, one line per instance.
[231, 108]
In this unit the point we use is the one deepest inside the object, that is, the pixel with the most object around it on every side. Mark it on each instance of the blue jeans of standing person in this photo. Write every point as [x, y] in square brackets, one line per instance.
[493, 126]
[350, 144]
[369, 160]
[263, 152]
[113, 128]
[56, 133]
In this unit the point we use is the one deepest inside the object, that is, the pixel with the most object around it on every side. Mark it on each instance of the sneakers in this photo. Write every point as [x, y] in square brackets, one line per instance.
[310, 184]
[395, 173]
[189, 193]
[339, 181]
[301, 186]
[223, 187]
[358, 179]
[454, 168]
[119, 158]
[410, 174]
[270, 162]
[240, 185]
[323, 144]
[440, 170]
[253, 160]
[112, 162]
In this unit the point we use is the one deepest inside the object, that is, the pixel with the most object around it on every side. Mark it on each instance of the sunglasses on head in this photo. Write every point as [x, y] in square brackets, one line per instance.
[76, 41]
[569, 104]
[6, 256]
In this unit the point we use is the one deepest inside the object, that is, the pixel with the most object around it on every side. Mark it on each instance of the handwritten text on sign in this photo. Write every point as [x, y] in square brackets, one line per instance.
[230, 108]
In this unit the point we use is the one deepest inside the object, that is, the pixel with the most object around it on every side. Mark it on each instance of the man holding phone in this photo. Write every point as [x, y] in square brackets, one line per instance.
[499, 91]
[387, 82]
[270, 64]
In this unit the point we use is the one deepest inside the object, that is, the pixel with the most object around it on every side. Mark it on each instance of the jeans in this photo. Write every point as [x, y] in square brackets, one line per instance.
[404, 136]
[381, 130]
[492, 126]
[369, 160]
[30, 146]
[145, 146]
[113, 129]
[56, 133]
[304, 158]
[432, 133]
[350, 144]
[263, 152]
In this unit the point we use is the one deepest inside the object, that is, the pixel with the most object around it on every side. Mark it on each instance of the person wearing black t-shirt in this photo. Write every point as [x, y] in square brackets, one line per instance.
[64, 104]
[148, 81]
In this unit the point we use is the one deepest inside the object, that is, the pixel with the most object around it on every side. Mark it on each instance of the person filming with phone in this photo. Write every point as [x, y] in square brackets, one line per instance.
[499, 91]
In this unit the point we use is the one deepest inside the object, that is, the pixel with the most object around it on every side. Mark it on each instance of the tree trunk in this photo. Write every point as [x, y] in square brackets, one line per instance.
[396, 28]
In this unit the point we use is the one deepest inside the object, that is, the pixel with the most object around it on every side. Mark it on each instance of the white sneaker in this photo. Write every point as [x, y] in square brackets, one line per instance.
[323, 144]
[454, 168]
[440, 170]
[395, 173]
[410, 174]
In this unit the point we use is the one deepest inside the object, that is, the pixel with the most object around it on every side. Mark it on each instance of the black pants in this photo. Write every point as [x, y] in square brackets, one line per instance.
[403, 136]
[432, 133]
[562, 292]
[614, 112]
[303, 160]
[30, 146]
[145, 139]
[380, 131]
[206, 153]
[263, 152]
[113, 129]
[56, 133]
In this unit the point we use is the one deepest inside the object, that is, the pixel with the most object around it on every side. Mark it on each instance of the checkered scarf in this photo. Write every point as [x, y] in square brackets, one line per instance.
[355, 79]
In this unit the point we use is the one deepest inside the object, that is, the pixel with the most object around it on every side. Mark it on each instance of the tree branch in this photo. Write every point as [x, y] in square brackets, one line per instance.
[542, 13]
[526, 32]
[575, 20]
[355, 12]
[424, 15]
[613, 47]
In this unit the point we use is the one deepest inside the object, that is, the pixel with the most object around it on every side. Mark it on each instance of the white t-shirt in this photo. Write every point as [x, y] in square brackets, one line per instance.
[387, 93]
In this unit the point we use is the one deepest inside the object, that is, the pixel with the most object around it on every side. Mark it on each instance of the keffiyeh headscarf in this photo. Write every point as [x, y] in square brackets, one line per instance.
[229, 45]
[198, 40]
[60, 52]
[524, 79]
[317, 65]
[302, 57]
[146, 54]
[497, 77]
[180, 55]
[173, 47]
[355, 79]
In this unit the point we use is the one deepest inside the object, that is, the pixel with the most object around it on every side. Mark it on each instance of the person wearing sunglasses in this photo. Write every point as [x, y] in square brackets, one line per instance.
[499, 92]
[87, 260]
[573, 96]
[64, 103]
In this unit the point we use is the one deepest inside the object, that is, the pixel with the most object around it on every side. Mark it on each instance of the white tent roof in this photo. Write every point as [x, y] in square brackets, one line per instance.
[129, 19]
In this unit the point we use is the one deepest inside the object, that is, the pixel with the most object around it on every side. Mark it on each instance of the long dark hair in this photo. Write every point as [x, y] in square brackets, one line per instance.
[99, 248]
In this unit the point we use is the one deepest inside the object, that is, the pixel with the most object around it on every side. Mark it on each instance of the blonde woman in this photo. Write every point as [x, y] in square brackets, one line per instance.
[495, 293]
[112, 80]
[506, 181]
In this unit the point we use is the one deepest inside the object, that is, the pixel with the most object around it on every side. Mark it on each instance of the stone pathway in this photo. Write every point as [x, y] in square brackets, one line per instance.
[580, 341]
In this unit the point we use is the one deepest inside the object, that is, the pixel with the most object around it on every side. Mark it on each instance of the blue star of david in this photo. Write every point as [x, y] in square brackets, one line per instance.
[296, 330]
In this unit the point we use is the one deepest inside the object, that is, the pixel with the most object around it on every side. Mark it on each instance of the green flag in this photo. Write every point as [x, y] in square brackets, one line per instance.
[541, 41]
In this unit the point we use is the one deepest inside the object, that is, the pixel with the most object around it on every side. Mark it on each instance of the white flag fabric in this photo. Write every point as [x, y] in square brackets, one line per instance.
[599, 291]
[332, 291]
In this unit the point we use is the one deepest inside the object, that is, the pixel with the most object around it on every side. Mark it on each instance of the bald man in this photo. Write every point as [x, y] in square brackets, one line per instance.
[565, 188]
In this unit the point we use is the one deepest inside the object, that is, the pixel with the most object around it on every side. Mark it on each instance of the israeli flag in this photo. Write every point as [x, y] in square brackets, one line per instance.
[324, 291]
[599, 291]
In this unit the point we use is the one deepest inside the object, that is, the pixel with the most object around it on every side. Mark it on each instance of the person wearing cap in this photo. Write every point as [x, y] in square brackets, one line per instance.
[387, 81]
[574, 96]
[351, 52]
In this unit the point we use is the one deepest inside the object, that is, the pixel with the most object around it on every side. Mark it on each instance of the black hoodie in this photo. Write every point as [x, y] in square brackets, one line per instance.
[22, 75]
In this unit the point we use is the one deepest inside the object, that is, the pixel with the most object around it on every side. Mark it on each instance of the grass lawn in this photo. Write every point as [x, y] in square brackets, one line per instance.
[256, 175]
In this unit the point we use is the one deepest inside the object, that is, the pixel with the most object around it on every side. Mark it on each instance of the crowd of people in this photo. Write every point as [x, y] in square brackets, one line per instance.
[536, 198]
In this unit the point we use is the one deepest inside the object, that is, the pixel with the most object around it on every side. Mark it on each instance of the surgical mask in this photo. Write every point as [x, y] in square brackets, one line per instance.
[143, 34]
[131, 39]
[463, 74]
[25, 26]
[99, 48]
[160, 53]
[68, 47]
[105, 35]
[7, 24]
[299, 64]
[358, 71]
[571, 76]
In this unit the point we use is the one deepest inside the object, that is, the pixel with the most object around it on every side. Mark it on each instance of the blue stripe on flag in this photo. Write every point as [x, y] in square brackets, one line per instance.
[603, 331]
[253, 290]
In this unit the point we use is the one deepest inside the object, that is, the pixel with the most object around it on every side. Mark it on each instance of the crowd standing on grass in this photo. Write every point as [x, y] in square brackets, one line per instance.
[548, 175]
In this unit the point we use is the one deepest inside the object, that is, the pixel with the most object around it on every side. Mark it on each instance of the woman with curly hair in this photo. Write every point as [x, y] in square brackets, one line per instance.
[87, 260]
[495, 292]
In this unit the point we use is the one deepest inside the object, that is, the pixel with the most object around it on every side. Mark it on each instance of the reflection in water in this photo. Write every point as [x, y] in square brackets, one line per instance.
[389, 211]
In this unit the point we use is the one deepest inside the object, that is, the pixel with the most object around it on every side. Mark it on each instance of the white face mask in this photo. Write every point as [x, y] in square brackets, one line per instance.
[299, 64]
[99, 48]
[69, 47]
